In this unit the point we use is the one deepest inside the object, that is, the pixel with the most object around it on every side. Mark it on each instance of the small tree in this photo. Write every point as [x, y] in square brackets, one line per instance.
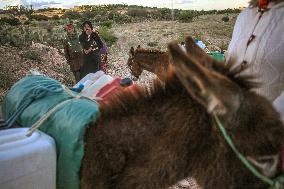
[225, 19]
[186, 16]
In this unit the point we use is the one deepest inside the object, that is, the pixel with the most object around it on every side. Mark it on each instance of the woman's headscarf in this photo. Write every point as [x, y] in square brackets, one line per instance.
[89, 23]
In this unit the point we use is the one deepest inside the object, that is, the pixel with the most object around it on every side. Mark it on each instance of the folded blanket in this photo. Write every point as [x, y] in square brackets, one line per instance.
[67, 125]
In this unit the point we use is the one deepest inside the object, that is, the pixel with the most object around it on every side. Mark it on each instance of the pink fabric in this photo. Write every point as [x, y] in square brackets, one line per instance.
[104, 49]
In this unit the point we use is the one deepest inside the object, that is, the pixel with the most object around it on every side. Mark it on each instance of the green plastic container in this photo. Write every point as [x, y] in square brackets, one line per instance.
[217, 56]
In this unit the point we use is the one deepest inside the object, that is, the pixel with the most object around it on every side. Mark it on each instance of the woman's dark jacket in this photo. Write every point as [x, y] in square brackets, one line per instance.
[92, 61]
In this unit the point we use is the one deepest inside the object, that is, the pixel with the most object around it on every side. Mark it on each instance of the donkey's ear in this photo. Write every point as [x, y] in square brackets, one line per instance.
[200, 55]
[131, 52]
[138, 47]
[213, 90]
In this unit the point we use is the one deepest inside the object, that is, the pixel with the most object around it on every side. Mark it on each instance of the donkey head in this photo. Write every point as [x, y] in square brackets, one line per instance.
[249, 119]
[133, 66]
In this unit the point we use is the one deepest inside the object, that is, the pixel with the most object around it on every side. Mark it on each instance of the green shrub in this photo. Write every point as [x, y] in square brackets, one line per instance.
[137, 13]
[55, 17]
[11, 21]
[88, 15]
[187, 15]
[49, 28]
[27, 22]
[122, 18]
[226, 11]
[112, 15]
[38, 17]
[165, 14]
[225, 19]
[73, 15]
[4, 36]
[107, 35]
[14, 38]
[32, 54]
[106, 24]
[100, 18]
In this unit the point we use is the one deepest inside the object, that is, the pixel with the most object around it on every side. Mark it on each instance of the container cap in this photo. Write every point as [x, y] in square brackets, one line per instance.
[126, 82]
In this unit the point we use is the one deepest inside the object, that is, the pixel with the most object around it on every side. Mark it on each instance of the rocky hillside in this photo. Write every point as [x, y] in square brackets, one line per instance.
[16, 62]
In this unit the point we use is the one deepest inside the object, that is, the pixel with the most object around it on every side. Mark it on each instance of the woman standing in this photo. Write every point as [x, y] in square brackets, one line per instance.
[91, 44]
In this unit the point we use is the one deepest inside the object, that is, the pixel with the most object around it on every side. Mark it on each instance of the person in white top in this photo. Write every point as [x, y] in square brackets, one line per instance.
[258, 40]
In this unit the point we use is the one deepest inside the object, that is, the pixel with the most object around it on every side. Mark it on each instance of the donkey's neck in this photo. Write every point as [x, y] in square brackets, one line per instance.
[152, 61]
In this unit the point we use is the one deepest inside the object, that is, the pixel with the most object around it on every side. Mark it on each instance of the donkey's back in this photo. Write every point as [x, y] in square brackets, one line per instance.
[154, 139]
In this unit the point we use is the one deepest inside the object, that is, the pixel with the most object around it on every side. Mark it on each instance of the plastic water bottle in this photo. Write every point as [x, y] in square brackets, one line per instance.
[78, 89]
[200, 43]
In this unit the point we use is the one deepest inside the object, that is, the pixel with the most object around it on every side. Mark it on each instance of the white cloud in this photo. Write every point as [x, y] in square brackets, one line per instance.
[184, 1]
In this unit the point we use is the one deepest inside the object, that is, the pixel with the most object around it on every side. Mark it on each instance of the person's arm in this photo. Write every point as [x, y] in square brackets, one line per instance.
[278, 104]
[98, 40]
[86, 46]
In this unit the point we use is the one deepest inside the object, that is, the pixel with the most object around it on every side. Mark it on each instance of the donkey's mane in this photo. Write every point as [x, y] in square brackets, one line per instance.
[126, 101]
[151, 51]
[236, 74]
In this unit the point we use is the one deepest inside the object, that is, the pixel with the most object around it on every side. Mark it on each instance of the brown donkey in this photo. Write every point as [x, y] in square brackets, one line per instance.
[152, 60]
[152, 140]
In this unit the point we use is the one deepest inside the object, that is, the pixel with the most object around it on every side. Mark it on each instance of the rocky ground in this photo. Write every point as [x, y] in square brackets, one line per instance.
[15, 63]
[210, 29]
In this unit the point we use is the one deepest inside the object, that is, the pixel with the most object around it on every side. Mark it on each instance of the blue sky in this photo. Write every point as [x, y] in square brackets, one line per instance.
[178, 4]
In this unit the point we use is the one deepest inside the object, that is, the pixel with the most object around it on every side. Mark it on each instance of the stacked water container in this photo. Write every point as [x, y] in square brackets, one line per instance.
[27, 162]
